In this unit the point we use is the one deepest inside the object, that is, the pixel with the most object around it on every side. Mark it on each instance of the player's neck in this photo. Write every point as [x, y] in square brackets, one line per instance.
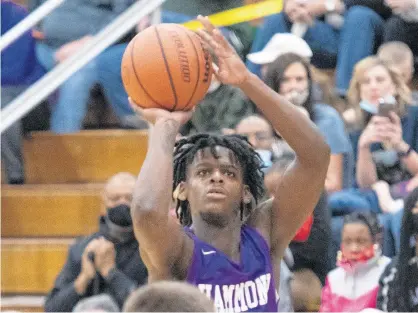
[226, 239]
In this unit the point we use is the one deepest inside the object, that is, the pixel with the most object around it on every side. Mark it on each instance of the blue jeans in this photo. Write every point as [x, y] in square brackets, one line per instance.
[68, 113]
[108, 67]
[353, 200]
[356, 40]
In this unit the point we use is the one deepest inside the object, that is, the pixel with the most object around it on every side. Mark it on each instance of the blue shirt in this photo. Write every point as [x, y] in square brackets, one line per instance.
[332, 127]
[19, 66]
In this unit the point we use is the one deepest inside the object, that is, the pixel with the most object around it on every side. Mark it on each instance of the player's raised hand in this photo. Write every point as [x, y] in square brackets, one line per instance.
[153, 114]
[230, 69]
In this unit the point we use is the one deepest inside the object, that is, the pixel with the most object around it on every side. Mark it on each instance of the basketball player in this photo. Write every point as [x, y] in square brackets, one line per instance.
[229, 247]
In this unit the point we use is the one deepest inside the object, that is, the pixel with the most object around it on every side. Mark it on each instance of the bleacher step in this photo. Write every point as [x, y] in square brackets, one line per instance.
[89, 156]
[50, 210]
[30, 266]
[22, 303]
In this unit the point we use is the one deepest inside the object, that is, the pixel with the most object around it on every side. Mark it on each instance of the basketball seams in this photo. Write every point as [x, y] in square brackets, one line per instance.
[137, 76]
[198, 72]
[173, 87]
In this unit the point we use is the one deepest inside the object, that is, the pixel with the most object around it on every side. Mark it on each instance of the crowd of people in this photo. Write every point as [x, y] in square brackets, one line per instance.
[358, 248]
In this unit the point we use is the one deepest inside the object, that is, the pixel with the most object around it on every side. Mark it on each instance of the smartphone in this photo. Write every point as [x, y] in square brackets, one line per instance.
[386, 106]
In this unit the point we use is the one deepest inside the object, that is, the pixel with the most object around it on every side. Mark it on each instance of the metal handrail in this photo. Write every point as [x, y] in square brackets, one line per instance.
[53, 79]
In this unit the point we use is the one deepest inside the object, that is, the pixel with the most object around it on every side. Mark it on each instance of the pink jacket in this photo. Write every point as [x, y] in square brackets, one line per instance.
[355, 289]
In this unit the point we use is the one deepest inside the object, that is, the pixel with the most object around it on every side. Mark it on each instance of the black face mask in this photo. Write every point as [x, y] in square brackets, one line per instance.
[119, 222]
[120, 215]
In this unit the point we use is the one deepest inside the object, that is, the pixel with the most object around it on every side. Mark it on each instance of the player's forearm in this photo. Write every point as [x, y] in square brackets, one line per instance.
[154, 185]
[301, 134]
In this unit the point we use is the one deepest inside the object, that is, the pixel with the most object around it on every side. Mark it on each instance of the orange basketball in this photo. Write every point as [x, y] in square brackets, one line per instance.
[165, 66]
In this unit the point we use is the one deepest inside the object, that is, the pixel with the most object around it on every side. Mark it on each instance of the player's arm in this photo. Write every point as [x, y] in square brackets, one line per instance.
[301, 185]
[303, 182]
[165, 248]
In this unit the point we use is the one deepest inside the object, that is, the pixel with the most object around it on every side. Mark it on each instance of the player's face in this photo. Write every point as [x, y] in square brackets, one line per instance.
[356, 238]
[215, 188]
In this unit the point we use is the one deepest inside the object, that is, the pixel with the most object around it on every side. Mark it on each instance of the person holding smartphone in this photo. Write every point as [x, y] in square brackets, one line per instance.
[384, 143]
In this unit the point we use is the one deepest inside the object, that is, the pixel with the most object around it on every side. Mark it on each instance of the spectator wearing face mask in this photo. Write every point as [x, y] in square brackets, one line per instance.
[385, 146]
[106, 262]
[290, 76]
[398, 285]
[353, 285]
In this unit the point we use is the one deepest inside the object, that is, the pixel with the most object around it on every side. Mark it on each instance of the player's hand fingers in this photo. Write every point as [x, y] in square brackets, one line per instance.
[206, 23]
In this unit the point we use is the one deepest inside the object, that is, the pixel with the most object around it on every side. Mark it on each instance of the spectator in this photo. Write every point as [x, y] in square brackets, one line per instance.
[386, 146]
[398, 290]
[168, 296]
[66, 30]
[353, 285]
[398, 55]
[290, 76]
[403, 24]
[349, 32]
[106, 262]
[19, 69]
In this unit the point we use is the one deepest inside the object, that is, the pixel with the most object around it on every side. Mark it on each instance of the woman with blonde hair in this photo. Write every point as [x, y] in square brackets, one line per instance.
[384, 137]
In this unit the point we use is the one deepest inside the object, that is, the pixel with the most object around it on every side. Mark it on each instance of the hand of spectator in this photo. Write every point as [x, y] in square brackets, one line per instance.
[401, 5]
[395, 133]
[88, 270]
[230, 69]
[70, 48]
[316, 7]
[412, 184]
[297, 12]
[154, 114]
[104, 256]
[376, 131]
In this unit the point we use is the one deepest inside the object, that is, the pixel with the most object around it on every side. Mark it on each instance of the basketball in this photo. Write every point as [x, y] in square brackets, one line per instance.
[165, 66]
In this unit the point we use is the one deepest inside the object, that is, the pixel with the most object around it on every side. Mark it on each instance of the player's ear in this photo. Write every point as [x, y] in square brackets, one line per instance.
[180, 193]
[246, 195]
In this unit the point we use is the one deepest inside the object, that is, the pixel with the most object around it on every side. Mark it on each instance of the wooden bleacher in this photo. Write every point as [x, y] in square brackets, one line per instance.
[61, 200]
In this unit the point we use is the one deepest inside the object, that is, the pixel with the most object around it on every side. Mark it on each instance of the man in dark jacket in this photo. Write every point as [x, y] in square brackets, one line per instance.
[106, 262]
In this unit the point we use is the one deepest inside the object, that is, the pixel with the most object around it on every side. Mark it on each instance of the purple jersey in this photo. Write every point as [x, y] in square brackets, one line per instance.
[245, 287]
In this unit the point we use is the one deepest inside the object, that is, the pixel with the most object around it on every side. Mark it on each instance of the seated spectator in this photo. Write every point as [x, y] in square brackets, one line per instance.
[353, 285]
[385, 146]
[106, 262]
[19, 69]
[398, 55]
[66, 30]
[168, 296]
[290, 76]
[348, 32]
[403, 24]
[398, 285]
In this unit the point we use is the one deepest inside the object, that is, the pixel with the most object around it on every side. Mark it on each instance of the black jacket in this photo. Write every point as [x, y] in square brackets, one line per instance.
[130, 273]
[387, 297]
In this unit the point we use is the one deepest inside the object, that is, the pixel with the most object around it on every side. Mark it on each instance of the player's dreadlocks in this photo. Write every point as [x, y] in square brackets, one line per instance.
[403, 282]
[251, 164]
